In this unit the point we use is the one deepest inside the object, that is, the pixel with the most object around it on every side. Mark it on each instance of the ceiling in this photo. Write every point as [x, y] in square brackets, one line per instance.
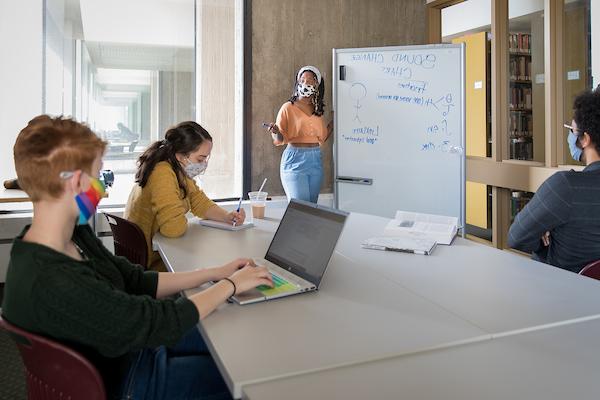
[145, 57]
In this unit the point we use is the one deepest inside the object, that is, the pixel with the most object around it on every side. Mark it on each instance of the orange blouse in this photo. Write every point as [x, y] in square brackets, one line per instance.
[298, 127]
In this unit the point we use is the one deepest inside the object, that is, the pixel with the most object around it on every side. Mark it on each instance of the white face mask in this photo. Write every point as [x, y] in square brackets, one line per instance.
[305, 90]
[194, 169]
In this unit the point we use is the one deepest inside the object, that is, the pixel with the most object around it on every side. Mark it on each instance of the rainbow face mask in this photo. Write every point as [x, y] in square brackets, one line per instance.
[88, 201]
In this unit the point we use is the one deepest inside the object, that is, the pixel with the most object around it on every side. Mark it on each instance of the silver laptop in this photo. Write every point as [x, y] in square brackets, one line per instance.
[299, 252]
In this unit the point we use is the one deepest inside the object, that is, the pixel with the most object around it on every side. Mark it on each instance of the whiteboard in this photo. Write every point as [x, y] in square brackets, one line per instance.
[400, 130]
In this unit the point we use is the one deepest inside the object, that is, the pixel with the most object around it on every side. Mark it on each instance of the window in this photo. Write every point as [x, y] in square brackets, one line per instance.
[131, 69]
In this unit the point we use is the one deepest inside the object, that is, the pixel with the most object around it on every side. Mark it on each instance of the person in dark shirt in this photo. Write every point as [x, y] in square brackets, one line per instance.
[561, 223]
[64, 284]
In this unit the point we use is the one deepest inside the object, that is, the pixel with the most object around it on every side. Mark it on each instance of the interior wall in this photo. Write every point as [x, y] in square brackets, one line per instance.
[287, 34]
[20, 73]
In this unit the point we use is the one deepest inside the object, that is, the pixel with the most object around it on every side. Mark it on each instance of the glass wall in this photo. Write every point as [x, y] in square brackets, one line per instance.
[133, 68]
[577, 60]
[526, 80]
[474, 32]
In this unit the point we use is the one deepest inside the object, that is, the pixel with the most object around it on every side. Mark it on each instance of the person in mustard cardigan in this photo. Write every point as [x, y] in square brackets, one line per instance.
[166, 189]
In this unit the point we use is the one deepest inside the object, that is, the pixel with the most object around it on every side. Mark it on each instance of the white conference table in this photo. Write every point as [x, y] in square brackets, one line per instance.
[495, 290]
[549, 364]
[374, 305]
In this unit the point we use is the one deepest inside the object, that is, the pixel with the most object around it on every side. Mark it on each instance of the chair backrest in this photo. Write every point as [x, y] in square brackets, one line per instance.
[53, 370]
[129, 240]
[591, 270]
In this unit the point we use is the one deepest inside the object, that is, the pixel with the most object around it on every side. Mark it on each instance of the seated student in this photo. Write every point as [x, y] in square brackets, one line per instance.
[561, 223]
[166, 190]
[62, 283]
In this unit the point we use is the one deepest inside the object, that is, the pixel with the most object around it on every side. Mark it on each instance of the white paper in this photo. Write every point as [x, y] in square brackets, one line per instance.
[438, 228]
[225, 226]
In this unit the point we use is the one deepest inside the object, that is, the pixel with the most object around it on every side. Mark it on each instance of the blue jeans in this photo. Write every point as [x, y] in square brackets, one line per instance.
[301, 172]
[186, 371]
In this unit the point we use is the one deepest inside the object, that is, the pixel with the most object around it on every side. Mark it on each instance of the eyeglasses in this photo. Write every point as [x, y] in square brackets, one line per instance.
[66, 174]
[574, 131]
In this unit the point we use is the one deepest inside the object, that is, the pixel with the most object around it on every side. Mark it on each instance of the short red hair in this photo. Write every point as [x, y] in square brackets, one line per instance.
[46, 147]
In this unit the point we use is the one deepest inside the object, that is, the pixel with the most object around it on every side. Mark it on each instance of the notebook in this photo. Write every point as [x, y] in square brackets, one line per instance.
[438, 228]
[421, 246]
[299, 252]
[225, 226]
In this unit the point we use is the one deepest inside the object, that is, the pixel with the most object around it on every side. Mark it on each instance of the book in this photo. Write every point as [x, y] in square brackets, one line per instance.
[423, 246]
[438, 228]
[225, 226]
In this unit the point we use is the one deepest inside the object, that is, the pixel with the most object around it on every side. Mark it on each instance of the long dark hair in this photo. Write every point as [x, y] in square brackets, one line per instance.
[184, 138]
[317, 100]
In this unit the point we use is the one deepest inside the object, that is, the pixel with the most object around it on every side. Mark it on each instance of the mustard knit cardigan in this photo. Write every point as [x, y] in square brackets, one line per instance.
[160, 206]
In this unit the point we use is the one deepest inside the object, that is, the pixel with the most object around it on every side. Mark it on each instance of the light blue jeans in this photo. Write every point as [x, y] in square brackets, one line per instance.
[184, 372]
[301, 172]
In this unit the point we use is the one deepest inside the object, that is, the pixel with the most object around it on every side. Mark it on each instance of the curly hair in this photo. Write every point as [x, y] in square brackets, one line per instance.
[587, 114]
[317, 100]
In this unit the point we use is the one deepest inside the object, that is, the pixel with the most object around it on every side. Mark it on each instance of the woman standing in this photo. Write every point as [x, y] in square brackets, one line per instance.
[300, 125]
[166, 189]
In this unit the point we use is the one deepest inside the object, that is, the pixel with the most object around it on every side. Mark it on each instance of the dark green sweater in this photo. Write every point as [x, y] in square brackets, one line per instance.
[105, 306]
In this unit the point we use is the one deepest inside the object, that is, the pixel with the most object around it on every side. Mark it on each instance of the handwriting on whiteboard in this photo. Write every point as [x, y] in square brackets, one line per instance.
[362, 134]
[410, 85]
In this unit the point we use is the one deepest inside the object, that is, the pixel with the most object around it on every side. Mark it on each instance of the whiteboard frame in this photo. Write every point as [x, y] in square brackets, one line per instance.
[335, 75]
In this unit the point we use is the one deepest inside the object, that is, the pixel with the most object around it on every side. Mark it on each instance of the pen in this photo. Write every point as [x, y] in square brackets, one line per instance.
[238, 210]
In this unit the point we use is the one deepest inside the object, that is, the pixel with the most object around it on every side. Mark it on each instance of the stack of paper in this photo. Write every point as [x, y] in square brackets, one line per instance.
[438, 228]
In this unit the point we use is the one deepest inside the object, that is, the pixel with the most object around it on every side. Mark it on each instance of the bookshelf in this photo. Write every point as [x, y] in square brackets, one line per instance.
[520, 97]
[518, 200]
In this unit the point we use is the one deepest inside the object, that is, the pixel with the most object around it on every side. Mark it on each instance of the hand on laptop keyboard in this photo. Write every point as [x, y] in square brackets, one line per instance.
[250, 277]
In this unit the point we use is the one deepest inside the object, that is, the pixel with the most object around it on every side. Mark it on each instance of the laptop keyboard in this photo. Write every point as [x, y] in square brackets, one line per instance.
[279, 285]
[277, 282]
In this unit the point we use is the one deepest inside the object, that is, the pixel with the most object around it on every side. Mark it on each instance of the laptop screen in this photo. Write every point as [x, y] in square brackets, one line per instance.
[305, 239]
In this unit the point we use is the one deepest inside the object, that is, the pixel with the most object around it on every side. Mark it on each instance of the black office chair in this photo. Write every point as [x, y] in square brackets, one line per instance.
[129, 240]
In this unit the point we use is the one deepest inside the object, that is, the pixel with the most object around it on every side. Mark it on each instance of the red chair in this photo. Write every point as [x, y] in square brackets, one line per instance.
[591, 270]
[54, 371]
[129, 240]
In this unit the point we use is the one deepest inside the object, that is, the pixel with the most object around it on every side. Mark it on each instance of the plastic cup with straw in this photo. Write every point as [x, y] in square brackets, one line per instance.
[258, 201]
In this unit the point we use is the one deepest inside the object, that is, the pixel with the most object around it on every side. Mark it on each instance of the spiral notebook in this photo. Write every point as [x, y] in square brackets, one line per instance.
[225, 226]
